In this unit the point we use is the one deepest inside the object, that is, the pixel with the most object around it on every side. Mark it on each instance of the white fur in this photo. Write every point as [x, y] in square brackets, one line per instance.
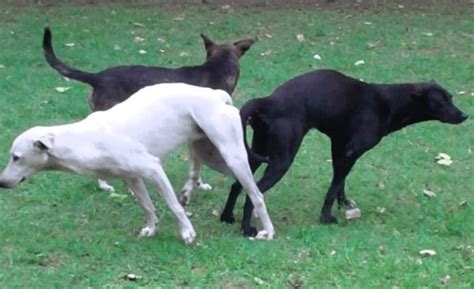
[129, 140]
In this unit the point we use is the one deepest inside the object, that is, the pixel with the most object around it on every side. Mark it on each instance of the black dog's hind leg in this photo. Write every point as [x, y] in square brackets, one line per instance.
[258, 146]
[227, 215]
[283, 144]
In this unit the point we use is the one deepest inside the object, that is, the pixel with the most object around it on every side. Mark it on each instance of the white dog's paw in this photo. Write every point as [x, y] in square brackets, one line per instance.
[203, 186]
[147, 231]
[188, 235]
[106, 187]
[264, 235]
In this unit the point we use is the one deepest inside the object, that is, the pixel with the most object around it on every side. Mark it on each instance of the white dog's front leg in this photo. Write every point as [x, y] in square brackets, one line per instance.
[157, 175]
[137, 186]
[103, 185]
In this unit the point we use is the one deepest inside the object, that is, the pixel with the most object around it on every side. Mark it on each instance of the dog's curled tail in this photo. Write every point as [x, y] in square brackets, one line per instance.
[57, 64]
[246, 113]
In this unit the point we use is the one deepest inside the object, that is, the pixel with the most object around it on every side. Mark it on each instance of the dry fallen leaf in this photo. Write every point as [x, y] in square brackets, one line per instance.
[381, 210]
[258, 281]
[116, 47]
[189, 214]
[427, 252]
[184, 54]
[300, 37]
[138, 39]
[215, 212]
[359, 62]
[138, 24]
[131, 277]
[317, 56]
[444, 159]
[352, 214]
[71, 44]
[427, 34]
[444, 280]
[429, 193]
[367, 23]
[2, 66]
[266, 53]
[117, 196]
[333, 252]
[268, 35]
[142, 51]
[62, 89]
[461, 92]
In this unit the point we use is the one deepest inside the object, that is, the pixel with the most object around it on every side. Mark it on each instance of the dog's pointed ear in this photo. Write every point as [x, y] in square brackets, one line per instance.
[243, 45]
[208, 43]
[44, 143]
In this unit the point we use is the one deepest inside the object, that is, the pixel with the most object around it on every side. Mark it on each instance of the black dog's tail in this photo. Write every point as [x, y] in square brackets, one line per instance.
[62, 68]
[246, 113]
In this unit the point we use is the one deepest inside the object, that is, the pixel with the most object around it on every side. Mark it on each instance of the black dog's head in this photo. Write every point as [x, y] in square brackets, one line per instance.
[437, 104]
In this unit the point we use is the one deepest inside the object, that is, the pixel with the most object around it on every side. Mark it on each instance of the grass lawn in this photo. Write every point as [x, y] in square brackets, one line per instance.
[59, 231]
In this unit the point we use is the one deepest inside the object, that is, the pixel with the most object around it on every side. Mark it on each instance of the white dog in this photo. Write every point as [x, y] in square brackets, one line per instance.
[129, 140]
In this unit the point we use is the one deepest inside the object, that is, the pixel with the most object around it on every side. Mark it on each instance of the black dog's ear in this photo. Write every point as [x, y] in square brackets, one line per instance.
[243, 45]
[44, 143]
[208, 43]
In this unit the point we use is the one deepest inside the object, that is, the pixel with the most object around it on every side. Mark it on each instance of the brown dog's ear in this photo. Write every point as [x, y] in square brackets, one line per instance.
[208, 43]
[243, 45]
[44, 143]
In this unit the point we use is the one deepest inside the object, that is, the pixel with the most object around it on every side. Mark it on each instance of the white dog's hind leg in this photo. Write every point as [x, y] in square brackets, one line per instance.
[103, 185]
[194, 179]
[156, 174]
[137, 186]
[226, 133]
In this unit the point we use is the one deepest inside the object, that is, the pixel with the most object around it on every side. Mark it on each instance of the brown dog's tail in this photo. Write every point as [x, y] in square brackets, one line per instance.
[246, 113]
[62, 68]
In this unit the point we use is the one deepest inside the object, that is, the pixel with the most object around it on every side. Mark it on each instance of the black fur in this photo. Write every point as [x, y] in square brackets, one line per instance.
[113, 85]
[355, 115]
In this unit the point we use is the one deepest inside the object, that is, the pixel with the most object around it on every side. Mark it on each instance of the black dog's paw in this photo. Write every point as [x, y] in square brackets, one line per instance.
[227, 218]
[328, 219]
[249, 232]
[346, 204]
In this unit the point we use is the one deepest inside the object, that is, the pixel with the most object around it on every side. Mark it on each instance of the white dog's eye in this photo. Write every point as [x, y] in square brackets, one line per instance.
[15, 158]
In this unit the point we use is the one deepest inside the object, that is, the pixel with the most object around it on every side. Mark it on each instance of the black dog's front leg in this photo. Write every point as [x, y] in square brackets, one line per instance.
[227, 215]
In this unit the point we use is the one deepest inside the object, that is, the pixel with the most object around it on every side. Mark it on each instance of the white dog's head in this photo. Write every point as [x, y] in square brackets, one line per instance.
[29, 154]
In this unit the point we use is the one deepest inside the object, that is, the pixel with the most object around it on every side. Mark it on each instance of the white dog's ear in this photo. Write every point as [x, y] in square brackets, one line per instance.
[44, 143]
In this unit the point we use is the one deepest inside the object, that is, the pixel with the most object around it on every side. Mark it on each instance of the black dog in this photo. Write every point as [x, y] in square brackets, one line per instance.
[354, 114]
[114, 85]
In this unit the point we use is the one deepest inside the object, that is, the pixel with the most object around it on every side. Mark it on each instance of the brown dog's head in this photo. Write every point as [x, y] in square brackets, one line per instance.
[226, 56]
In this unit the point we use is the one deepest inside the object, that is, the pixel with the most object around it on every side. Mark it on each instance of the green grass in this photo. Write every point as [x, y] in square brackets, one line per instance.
[59, 231]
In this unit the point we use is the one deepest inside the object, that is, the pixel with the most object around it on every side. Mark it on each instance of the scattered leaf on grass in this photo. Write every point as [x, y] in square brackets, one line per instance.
[368, 23]
[138, 24]
[444, 159]
[215, 212]
[71, 44]
[463, 204]
[62, 88]
[258, 281]
[162, 50]
[300, 37]
[333, 252]
[184, 54]
[381, 210]
[268, 35]
[266, 53]
[359, 62]
[189, 214]
[142, 51]
[444, 280]
[429, 193]
[117, 196]
[317, 56]
[138, 39]
[427, 34]
[400, 6]
[2, 66]
[116, 47]
[461, 92]
[131, 277]
[427, 252]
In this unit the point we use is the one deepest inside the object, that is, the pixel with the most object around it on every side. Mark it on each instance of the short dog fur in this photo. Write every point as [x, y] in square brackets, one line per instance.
[355, 116]
[129, 140]
[111, 86]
